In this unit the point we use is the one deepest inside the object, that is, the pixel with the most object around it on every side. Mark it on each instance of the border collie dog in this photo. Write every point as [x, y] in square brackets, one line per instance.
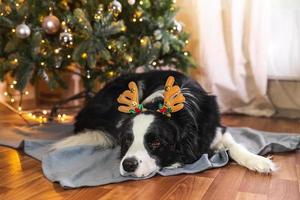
[150, 140]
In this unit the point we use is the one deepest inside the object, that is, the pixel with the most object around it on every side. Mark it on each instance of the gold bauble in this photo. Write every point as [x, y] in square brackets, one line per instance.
[51, 24]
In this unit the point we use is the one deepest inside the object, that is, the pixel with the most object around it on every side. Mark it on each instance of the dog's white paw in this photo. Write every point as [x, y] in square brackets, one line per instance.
[260, 164]
[174, 166]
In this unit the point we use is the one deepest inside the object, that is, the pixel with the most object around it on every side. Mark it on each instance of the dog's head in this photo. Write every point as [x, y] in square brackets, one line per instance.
[148, 138]
[148, 143]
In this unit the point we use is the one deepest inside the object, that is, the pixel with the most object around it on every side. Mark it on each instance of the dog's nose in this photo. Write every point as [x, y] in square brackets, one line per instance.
[130, 164]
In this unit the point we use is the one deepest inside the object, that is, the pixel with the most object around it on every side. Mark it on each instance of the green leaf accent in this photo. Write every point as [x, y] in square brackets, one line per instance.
[141, 107]
[160, 105]
[169, 110]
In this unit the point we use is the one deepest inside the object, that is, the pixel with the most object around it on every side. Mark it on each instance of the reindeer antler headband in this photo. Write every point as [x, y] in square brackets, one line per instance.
[173, 99]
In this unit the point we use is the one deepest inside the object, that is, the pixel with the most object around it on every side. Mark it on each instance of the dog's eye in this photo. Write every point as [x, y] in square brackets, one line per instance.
[127, 141]
[155, 144]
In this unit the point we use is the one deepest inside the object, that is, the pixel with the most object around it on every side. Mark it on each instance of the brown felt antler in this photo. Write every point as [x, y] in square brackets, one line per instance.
[173, 98]
[130, 99]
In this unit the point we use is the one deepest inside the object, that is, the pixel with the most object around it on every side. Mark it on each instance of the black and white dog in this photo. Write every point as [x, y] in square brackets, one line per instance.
[150, 140]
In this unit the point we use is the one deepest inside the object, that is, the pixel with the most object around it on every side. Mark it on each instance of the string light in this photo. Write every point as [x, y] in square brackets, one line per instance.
[14, 82]
[141, 19]
[26, 93]
[88, 74]
[154, 63]
[11, 86]
[109, 47]
[13, 30]
[141, 2]
[44, 112]
[186, 41]
[123, 28]
[15, 61]
[110, 73]
[56, 51]
[5, 94]
[144, 41]
[97, 17]
[186, 53]
[69, 56]
[12, 100]
[19, 108]
[84, 55]
[174, 1]
[43, 41]
[42, 63]
[129, 58]
[17, 5]
[134, 19]
[62, 117]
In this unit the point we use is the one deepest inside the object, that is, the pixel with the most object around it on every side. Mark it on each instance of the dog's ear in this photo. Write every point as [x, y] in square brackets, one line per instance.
[187, 148]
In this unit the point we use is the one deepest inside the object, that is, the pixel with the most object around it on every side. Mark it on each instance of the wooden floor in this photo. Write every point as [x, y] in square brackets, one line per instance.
[21, 177]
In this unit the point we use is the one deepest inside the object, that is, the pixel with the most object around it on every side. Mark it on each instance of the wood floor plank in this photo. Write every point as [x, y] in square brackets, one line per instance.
[298, 175]
[225, 182]
[211, 173]
[287, 166]
[283, 189]
[26, 191]
[252, 180]
[190, 187]
[250, 196]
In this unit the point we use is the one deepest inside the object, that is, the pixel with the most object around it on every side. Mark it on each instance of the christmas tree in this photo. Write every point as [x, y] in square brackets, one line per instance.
[94, 39]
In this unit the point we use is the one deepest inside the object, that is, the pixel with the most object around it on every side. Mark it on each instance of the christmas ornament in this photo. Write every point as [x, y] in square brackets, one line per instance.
[177, 28]
[158, 34]
[131, 2]
[115, 7]
[66, 38]
[23, 31]
[51, 24]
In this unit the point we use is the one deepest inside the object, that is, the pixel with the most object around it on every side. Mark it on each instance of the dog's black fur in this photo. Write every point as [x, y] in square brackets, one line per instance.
[182, 138]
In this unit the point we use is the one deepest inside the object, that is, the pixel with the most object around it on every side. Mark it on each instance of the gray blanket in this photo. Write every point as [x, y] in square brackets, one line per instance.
[91, 166]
